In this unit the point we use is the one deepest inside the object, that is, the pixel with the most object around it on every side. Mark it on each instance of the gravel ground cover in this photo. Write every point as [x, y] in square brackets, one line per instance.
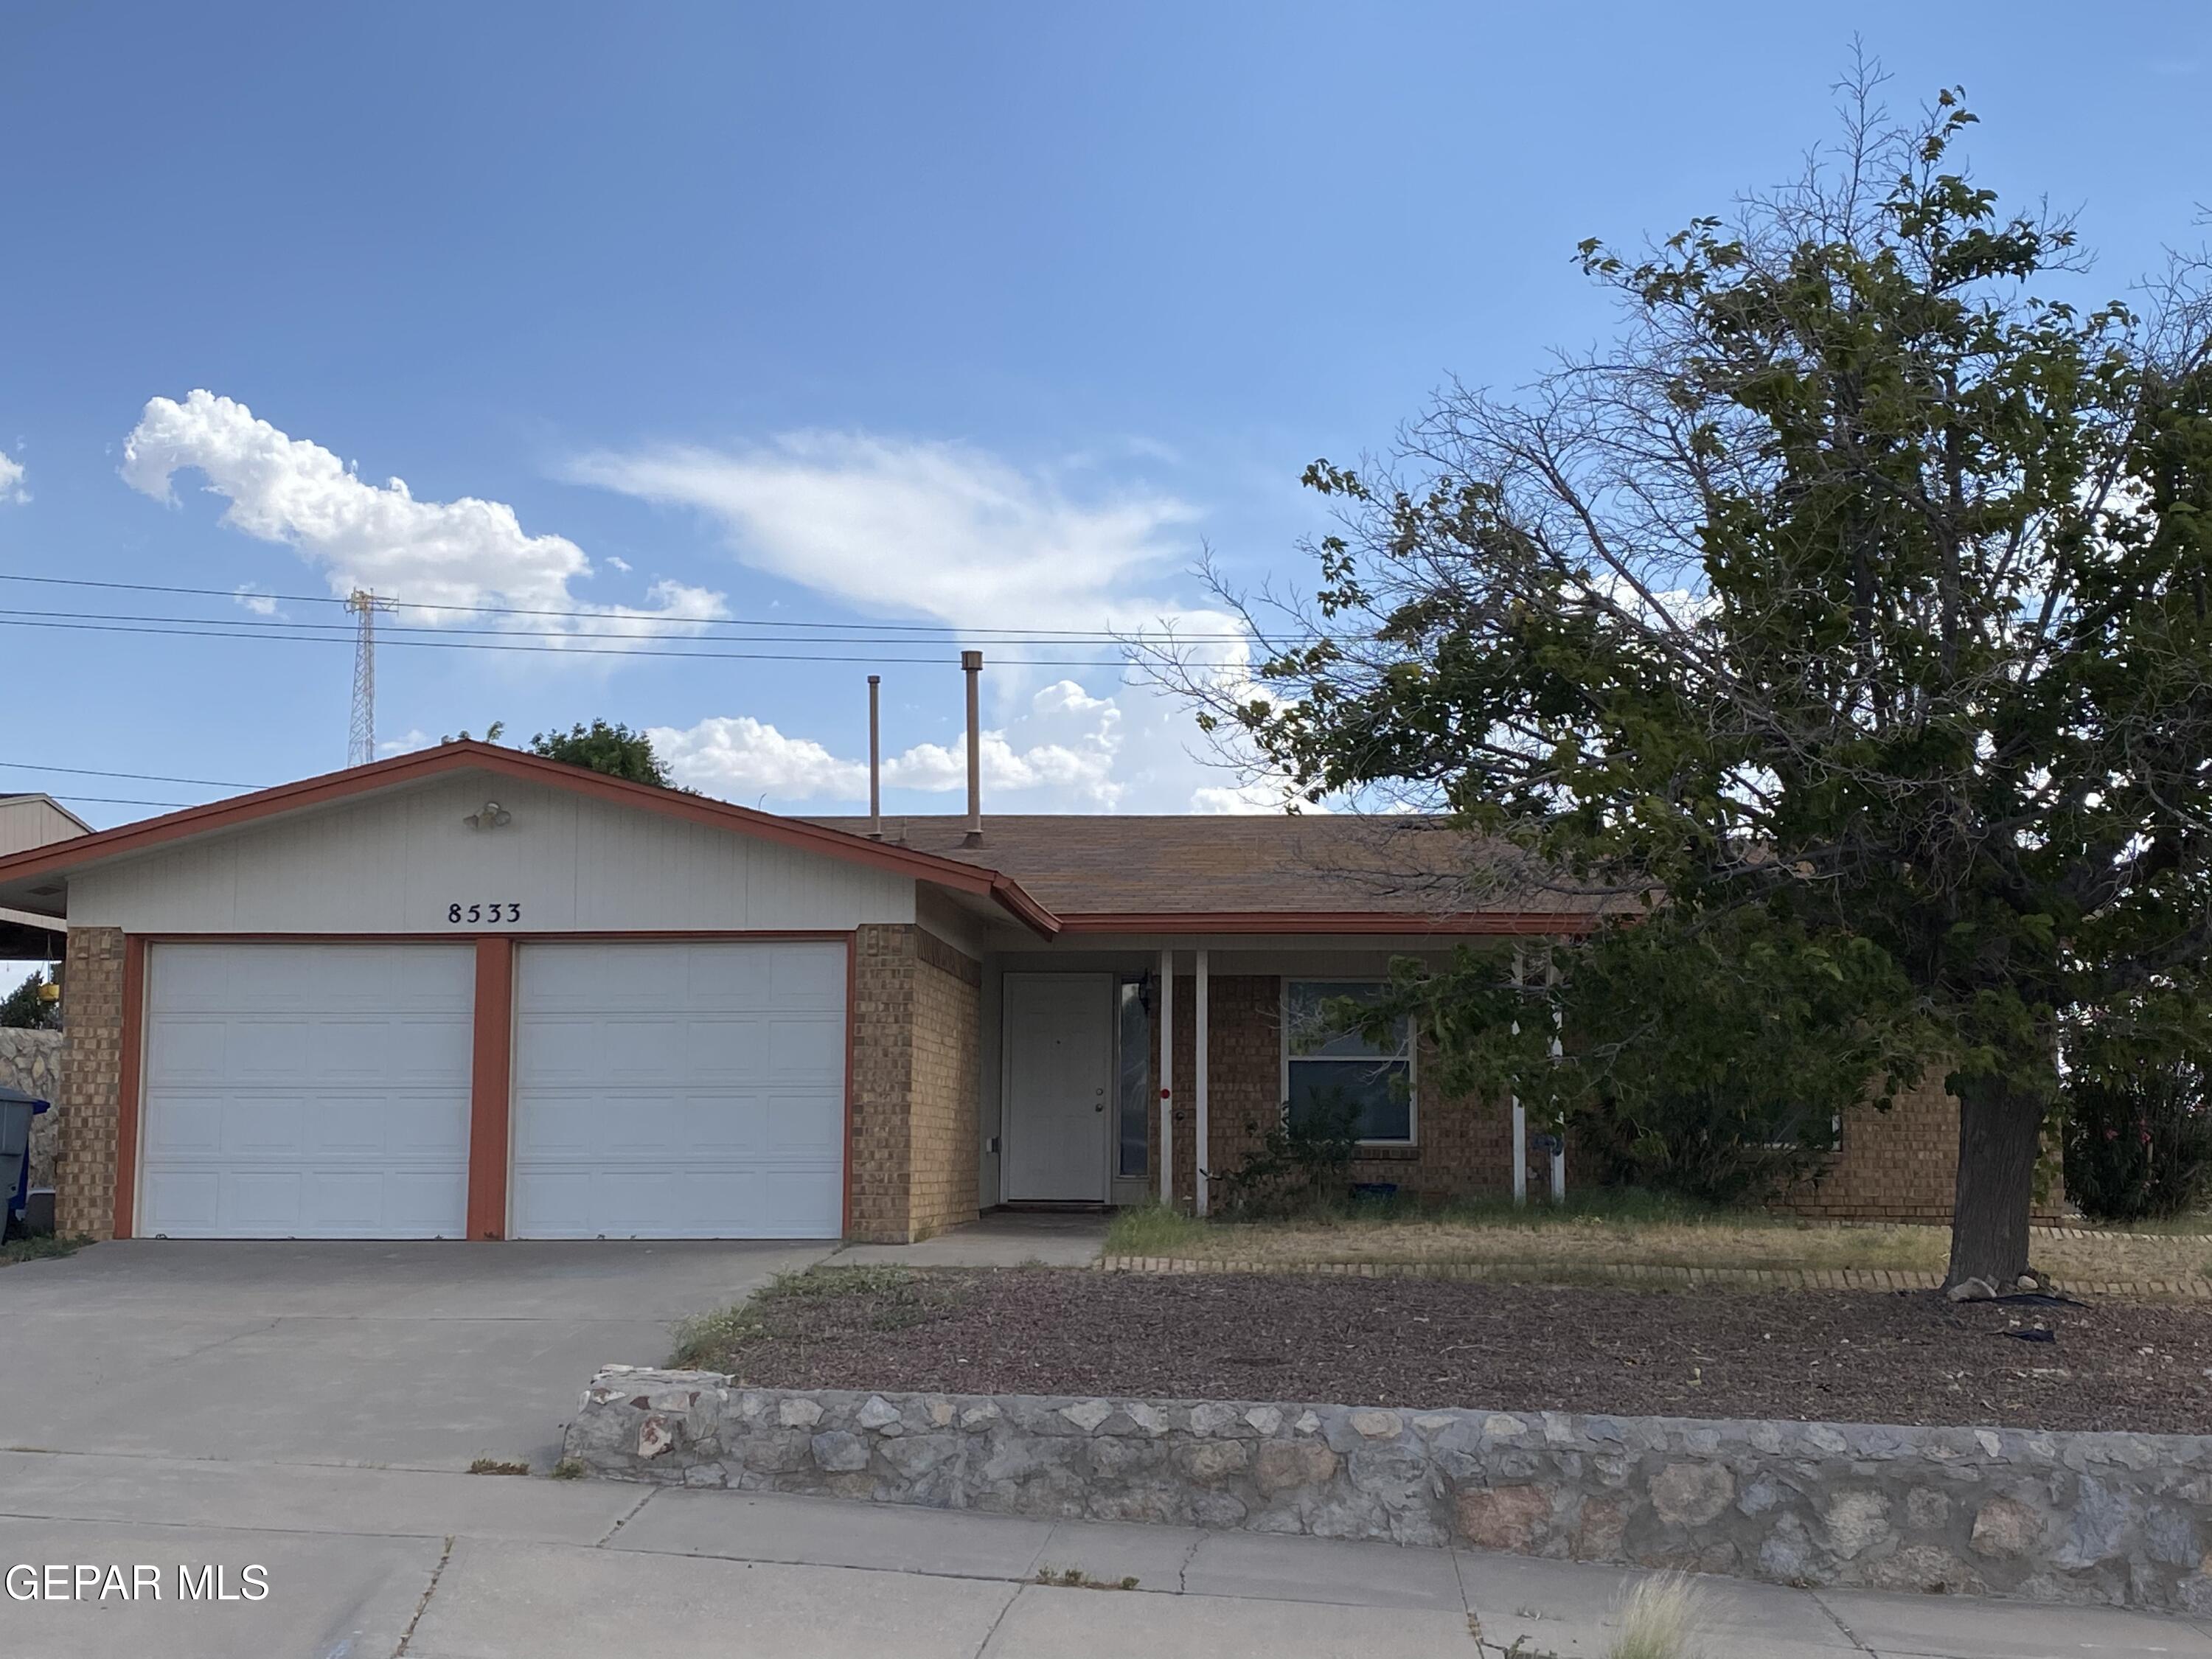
[1815, 1356]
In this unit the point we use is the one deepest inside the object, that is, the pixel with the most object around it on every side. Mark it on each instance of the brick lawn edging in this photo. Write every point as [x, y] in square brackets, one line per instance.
[2114, 1518]
[1632, 1272]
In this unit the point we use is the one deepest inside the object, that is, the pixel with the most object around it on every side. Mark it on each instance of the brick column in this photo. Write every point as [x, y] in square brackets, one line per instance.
[93, 1038]
[883, 1080]
[917, 1026]
[943, 1121]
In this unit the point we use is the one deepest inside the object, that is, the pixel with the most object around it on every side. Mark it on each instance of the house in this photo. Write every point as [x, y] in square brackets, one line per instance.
[26, 821]
[469, 992]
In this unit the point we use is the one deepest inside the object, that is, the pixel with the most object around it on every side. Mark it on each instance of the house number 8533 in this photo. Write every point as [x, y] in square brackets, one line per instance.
[498, 910]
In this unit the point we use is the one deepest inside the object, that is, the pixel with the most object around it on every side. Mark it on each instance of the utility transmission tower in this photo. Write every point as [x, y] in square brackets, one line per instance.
[360, 748]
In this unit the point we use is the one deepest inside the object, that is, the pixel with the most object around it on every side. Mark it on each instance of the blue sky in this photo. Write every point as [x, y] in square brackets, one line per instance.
[949, 318]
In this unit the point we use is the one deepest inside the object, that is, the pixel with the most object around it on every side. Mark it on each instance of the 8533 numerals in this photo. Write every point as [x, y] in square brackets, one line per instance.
[498, 911]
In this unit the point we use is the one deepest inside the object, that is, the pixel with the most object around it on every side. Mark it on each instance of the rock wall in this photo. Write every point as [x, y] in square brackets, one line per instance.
[2112, 1518]
[32, 1061]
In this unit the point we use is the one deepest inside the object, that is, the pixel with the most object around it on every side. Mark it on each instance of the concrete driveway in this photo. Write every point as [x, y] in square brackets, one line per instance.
[299, 1409]
[413, 1355]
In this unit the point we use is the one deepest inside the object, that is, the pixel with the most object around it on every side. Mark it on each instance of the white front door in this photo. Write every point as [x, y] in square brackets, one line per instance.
[1060, 1078]
[306, 1090]
[679, 1089]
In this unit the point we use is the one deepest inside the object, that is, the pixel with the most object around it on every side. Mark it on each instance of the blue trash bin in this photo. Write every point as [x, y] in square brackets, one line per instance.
[16, 1111]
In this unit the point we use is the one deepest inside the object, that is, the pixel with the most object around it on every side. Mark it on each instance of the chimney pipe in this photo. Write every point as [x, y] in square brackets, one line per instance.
[971, 664]
[875, 757]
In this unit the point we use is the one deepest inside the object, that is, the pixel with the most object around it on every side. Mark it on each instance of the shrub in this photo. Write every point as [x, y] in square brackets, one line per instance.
[2138, 1140]
[1293, 1169]
[1711, 1146]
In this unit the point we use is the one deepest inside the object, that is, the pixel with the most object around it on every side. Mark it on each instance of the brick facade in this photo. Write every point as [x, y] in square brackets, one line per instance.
[917, 1047]
[91, 1076]
[1463, 1147]
[1897, 1165]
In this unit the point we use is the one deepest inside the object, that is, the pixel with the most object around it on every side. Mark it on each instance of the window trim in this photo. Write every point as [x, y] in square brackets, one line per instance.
[1412, 1061]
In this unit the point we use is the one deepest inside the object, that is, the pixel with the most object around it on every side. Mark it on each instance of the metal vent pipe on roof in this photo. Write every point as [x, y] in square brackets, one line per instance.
[971, 664]
[875, 756]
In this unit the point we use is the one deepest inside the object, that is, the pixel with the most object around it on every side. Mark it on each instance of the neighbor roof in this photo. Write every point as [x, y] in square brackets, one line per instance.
[1314, 872]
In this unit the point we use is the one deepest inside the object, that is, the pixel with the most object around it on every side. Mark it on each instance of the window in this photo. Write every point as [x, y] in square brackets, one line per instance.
[1332, 1071]
[1132, 1031]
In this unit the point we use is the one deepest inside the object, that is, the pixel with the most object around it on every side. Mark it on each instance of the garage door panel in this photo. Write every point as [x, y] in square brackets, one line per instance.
[281, 1048]
[807, 976]
[597, 1052]
[187, 1125]
[551, 1203]
[275, 1126]
[716, 1112]
[807, 1128]
[800, 1048]
[180, 1203]
[306, 1090]
[184, 1050]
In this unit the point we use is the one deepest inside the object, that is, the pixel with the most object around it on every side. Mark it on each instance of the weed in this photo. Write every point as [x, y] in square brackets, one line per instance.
[569, 1468]
[1660, 1619]
[1153, 1230]
[1076, 1578]
[40, 1247]
[497, 1466]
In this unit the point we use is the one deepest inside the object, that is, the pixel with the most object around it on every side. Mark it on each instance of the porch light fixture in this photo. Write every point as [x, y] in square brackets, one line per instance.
[490, 816]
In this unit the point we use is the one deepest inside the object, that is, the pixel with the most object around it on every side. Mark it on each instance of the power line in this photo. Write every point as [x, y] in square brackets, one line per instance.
[228, 631]
[350, 631]
[1072, 636]
[135, 777]
[128, 800]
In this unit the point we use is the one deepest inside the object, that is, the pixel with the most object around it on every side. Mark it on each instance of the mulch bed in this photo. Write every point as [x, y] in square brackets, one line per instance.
[1816, 1356]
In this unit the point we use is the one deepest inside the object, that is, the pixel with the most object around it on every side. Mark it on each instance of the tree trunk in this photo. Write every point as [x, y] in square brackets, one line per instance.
[2000, 1134]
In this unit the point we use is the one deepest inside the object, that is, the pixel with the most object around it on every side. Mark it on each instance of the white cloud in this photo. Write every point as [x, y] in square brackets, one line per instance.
[1058, 756]
[462, 552]
[416, 738]
[260, 603]
[942, 530]
[12, 480]
[951, 533]
[742, 758]
[1262, 798]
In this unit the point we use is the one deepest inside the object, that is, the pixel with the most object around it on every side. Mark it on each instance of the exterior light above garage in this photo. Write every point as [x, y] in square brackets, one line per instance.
[490, 816]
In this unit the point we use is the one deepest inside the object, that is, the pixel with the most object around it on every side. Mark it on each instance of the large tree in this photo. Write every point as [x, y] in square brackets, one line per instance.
[608, 747]
[1852, 606]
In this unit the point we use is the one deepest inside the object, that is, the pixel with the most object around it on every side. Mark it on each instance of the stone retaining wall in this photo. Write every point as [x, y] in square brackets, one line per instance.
[2114, 1518]
[32, 1061]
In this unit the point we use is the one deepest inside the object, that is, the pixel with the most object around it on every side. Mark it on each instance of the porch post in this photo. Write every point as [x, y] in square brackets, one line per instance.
[1520, 1114]
[1559, 1050]
[1198, 1101]
[1167, 1076]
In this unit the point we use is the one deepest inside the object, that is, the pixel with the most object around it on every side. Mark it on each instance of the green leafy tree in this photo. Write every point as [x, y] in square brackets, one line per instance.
[22, 1009]
[1855, 603]
[614, 750]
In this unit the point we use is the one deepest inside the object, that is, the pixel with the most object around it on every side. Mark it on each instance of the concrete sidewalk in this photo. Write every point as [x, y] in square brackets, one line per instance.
[368, 1564]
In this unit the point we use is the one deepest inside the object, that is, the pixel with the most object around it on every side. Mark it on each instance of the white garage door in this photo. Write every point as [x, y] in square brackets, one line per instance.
[679, 1090]
[306, 1090]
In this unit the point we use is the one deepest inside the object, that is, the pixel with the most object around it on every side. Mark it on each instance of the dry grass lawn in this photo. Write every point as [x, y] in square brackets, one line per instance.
[1612, 1241]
